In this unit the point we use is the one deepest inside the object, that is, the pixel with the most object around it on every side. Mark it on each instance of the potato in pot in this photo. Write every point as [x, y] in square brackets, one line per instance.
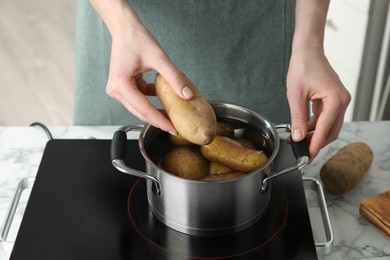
[232, 154]
[186, 162]
[179, 140]
[217, 168]
[225, 129]
[246, 143]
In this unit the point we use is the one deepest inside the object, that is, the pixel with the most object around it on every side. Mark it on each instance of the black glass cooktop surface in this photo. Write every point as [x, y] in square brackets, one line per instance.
[81, 207]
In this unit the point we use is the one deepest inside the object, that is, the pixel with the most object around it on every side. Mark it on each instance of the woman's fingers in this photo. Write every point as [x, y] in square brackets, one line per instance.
[147, 89]
[176, 79]
[298, 112]
[129, 95]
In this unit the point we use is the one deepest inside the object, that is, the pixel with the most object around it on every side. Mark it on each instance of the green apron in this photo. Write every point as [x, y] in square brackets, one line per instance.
[234, 51]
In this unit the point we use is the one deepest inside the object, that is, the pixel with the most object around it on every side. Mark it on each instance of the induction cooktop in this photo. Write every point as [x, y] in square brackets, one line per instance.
[81, 207]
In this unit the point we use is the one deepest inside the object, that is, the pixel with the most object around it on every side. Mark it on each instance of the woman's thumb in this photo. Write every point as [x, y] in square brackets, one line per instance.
[298, 110]
[177, 80]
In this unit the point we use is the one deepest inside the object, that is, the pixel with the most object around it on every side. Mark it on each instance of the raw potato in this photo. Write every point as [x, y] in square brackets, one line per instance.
[179, 140]
[258, 139]
[222, 177]
[194, 119]
[225, 129]
[246, 143]
[343, 171]
[185, 162]
[232, 154]
[217, 168]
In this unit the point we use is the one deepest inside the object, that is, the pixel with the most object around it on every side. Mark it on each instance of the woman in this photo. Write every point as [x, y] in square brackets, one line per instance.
[245, 52]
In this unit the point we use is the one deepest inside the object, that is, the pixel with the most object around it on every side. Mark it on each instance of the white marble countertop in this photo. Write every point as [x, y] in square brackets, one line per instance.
[21, 149]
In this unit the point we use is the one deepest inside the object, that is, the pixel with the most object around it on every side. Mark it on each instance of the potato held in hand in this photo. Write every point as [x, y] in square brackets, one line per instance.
[342, 172]
[194, 119]
[233, 155]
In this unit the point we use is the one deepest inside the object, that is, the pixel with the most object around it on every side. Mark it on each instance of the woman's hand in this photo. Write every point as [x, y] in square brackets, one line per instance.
[135, 51]
[311, 77]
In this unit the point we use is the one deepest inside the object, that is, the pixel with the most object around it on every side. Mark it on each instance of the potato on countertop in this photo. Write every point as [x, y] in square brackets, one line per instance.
[343, 171]
[194, 119]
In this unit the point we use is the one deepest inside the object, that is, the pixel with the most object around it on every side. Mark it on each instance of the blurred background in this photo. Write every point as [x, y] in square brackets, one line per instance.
[37, 58]
[37, 61]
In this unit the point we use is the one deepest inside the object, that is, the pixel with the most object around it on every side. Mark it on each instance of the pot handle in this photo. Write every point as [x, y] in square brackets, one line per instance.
[301, 153]
[118, 153]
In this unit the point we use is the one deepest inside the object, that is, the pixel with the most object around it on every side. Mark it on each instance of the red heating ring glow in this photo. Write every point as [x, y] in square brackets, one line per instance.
[203, 257]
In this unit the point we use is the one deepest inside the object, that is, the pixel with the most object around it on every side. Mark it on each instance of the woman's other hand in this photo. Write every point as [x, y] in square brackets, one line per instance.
[311, 77]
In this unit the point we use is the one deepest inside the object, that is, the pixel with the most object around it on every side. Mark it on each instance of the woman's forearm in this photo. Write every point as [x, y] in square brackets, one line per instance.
[116, 14]
[310, 22]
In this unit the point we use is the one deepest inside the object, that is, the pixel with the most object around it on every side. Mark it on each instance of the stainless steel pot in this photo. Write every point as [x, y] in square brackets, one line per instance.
[208, 208]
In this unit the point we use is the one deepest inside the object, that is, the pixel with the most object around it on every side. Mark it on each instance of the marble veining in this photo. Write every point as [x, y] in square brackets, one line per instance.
[355, 237]
[21, 150]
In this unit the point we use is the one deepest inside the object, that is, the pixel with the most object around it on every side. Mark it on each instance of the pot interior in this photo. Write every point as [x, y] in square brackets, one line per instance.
[154, 143]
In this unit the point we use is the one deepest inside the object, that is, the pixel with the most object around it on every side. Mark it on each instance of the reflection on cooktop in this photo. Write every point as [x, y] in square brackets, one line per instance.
[170, 242]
